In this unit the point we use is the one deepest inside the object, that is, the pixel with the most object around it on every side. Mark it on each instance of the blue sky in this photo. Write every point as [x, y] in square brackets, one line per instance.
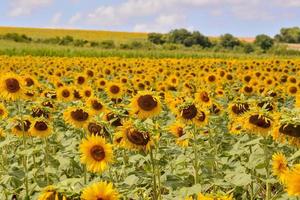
[211, 17]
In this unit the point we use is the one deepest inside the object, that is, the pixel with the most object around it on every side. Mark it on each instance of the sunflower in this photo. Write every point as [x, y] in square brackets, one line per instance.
[258, 121]
[3, 111]
[288, 127]
[145, 105]
[101, 190]
[293, 182]
[21, 127]
[96, 106]
[64, 93]
[11, 87]
[87, 92]
[76, 116]
[191, 113]
[95, 153]
[135, 139]
[40, 128]
[203, 98]
[97, 129]
[50, 193]
[279, 166]
[177, 129]
[114, 90]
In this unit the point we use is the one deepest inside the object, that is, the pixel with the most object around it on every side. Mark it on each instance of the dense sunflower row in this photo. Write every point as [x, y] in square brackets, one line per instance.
[113, 128]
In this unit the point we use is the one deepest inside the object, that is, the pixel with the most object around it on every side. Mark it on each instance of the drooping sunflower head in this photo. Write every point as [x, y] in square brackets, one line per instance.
[96, 154]
[145, 105]
[96, 106]
[288, 127]
[177, 129]
[96, 128]
[77, 116]
[11, 87]
[135, 139]
[22, 126]
[50, 192]
[100, 191]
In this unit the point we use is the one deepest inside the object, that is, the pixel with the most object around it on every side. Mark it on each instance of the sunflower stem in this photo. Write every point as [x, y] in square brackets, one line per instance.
[196, 167]
[25, 147]
[153, 175]
[46, 160]
[268, 186]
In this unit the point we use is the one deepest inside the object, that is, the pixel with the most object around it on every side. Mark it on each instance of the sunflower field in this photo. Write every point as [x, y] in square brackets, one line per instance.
[141, 128]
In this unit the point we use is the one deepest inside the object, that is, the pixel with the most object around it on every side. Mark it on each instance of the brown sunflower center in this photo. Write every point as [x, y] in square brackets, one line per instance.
[204, 97]
[12, 85]
[180, 131]
[114, 89]
[293, 90]
[94, 128]
[97, 153]
[29, 82]
[201, 117]
[87, 93]
[240, 108]
[114, 119]
[189, 112]
[137, 137]
[23, 126]
[248, 89]
[1, 111]
[290, 130]
[38, 112]
[147, 102]
[80, 80]
[96, 105]
[41, 126]
[260, 121]
[77, 94]
[65, 93]
[79, 115]
[268, 106]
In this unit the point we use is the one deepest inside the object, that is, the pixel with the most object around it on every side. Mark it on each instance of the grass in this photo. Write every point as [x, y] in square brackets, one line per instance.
[77, 34]
[11, 48]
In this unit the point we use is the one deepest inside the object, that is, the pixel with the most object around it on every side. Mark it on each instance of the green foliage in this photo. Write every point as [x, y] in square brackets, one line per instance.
[248, 48]
[156, 38]
[289, 35]
[107, 44]
[67, 40]
[228, 41]
[16, 37]
[265, 42]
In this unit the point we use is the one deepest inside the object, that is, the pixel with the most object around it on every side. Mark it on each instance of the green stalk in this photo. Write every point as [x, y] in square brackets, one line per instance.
[196, 167]
[268, 186]
[25, 147]
[153, 175]
[46, 160]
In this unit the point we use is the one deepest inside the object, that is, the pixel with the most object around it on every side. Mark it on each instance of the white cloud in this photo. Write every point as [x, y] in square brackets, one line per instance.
[104, 15]
[75, 18]
[56, 19]
[163, 23]
[25, 7]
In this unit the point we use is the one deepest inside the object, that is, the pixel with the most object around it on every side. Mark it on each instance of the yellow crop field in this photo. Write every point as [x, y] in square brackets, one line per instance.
[77, 34]
[150, 129]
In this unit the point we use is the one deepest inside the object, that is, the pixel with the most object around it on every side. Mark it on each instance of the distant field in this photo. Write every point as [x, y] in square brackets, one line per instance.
[77, 34]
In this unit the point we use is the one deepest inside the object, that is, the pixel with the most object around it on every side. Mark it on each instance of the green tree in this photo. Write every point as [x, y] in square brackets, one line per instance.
[156, 38]
[289, 35]
[228, 41]
[178, 35]
[265, 42]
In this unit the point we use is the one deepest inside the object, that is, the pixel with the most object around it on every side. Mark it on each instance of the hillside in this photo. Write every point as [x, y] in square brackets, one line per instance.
[77, 34]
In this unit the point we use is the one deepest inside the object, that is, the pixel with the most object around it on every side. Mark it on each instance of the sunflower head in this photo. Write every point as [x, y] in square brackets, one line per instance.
[100, 191]
[76, 116]
[279, 166]
[96, 154]
[11, 87]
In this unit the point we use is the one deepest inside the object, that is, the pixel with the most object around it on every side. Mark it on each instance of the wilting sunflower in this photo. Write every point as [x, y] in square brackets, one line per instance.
[76, 116]
[50, 193]
[97, 129]
[135, 139]
[95, 153]
[3, 111]
[101, 190]
[114, 90]
[279, 166]
[64, 93]
[40, 128]
[191, 113]
[288, 127]
[11, 87]
[21, 127]
[96, 106]
[177, 129]
[145, 105]
[258, 121]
